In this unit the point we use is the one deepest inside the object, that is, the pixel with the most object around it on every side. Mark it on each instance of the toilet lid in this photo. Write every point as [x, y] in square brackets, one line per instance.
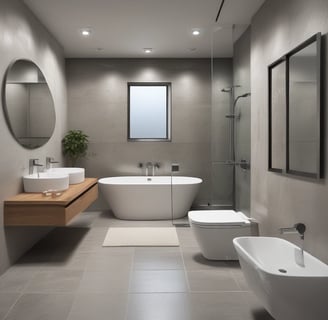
[218, 217]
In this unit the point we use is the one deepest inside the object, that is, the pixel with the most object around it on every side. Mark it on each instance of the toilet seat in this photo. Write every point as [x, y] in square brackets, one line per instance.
[218, 218]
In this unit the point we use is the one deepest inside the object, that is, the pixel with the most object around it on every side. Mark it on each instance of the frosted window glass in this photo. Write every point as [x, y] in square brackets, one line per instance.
[148, 112]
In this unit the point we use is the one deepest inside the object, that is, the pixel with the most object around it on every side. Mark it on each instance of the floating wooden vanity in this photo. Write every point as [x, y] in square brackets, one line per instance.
[35, 209]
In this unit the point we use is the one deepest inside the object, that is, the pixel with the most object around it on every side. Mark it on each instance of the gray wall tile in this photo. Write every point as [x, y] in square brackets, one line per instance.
[278, 200]
[97, 104]
[23, 36]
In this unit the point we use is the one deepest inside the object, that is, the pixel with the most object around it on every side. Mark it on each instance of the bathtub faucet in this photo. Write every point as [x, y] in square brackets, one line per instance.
[298, 228]
[156, 165]
[149, 165]
[152, 166]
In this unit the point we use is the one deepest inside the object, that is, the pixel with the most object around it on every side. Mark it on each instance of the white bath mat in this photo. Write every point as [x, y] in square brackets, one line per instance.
[135, 237]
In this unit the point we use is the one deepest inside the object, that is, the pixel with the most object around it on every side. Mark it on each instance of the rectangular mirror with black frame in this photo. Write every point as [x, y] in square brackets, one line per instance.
[295, 111]
[304, 108]
[277, 115]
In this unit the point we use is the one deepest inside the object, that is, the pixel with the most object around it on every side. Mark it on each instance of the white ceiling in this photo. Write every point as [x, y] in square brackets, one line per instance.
[122, 28]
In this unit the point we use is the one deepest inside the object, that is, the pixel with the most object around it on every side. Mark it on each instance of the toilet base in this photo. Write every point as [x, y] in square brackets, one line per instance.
[216, 242]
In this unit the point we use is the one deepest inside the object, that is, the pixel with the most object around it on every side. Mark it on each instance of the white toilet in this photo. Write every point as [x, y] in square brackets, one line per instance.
[214, 231]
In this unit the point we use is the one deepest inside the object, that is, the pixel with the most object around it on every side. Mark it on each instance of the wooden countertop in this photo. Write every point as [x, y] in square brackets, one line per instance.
[63, 200]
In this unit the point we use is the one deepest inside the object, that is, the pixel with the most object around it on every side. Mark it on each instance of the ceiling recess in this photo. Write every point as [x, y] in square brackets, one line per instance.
[219, 12]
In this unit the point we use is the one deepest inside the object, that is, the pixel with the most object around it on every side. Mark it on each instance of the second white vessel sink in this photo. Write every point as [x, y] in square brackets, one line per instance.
[45, 181]
[76, 175]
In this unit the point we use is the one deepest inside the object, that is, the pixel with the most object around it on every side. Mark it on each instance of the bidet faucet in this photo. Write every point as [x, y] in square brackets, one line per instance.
[49, 162]
[34, 163]
[297, 228]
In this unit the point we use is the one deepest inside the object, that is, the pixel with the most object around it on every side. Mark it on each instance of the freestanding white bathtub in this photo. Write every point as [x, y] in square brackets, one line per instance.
[149, 197]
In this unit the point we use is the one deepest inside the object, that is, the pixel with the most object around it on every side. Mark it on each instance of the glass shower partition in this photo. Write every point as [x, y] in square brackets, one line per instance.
[222, 149]
[231, 114]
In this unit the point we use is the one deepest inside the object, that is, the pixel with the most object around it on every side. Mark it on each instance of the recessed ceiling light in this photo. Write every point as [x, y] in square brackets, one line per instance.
[196, 32]
[148, 50]
[86, 32]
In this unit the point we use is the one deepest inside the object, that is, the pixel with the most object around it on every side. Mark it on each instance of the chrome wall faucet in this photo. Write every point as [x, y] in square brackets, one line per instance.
[151, 166]
[297, 228]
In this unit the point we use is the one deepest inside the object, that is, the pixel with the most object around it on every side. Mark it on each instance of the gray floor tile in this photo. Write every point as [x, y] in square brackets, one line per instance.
[105, 219]
[157, 259]
[60, 240]
[158, 306]
[181, 222]
[240, 279]
[115, 281]
[93, 241]
[220, 305]
[256, 310]
[85, 219]
[164, 283]
[186, 237]
[15, 279]
[7, 300]
[41, 307]
[99, 307]
[212, 280]
[34, 259]
[64, 261]
[61, 281]
[109, 220]
[158, 281]
[109, 260]
[194, 260]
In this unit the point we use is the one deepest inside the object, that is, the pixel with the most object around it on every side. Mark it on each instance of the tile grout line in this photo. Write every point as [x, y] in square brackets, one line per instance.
[130, 279]
[184, 265]
[13, 305]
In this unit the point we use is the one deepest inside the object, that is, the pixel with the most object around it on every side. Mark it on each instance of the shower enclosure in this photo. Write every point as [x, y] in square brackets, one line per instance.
[230, 126]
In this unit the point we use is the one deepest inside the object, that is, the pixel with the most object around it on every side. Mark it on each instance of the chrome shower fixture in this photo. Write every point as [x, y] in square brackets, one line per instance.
[234, 115]
[247, 94]
[229, 89]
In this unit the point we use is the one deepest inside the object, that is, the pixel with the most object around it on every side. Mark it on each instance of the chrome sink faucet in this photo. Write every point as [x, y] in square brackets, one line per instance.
[34, 163]
[297, 228]
[49, 162]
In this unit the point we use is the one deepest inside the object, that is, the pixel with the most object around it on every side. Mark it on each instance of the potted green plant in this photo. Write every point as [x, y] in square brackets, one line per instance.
[75, 145]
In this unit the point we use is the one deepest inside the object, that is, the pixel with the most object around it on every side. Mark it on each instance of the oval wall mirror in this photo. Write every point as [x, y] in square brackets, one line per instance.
[28, 104]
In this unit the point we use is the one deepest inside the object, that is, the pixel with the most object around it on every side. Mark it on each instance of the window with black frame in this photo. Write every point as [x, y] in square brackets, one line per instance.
[149, 109]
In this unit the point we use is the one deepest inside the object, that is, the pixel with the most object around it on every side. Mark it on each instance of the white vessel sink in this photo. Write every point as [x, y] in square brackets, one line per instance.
[76, 175]
[291, 283]
[45, 181]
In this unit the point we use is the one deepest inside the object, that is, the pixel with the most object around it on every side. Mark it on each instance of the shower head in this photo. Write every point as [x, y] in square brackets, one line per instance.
[226, 90]
[247, 94]
[229, 89]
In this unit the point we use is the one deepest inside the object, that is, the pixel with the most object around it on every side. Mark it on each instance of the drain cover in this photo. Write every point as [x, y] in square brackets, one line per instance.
[282, 270]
